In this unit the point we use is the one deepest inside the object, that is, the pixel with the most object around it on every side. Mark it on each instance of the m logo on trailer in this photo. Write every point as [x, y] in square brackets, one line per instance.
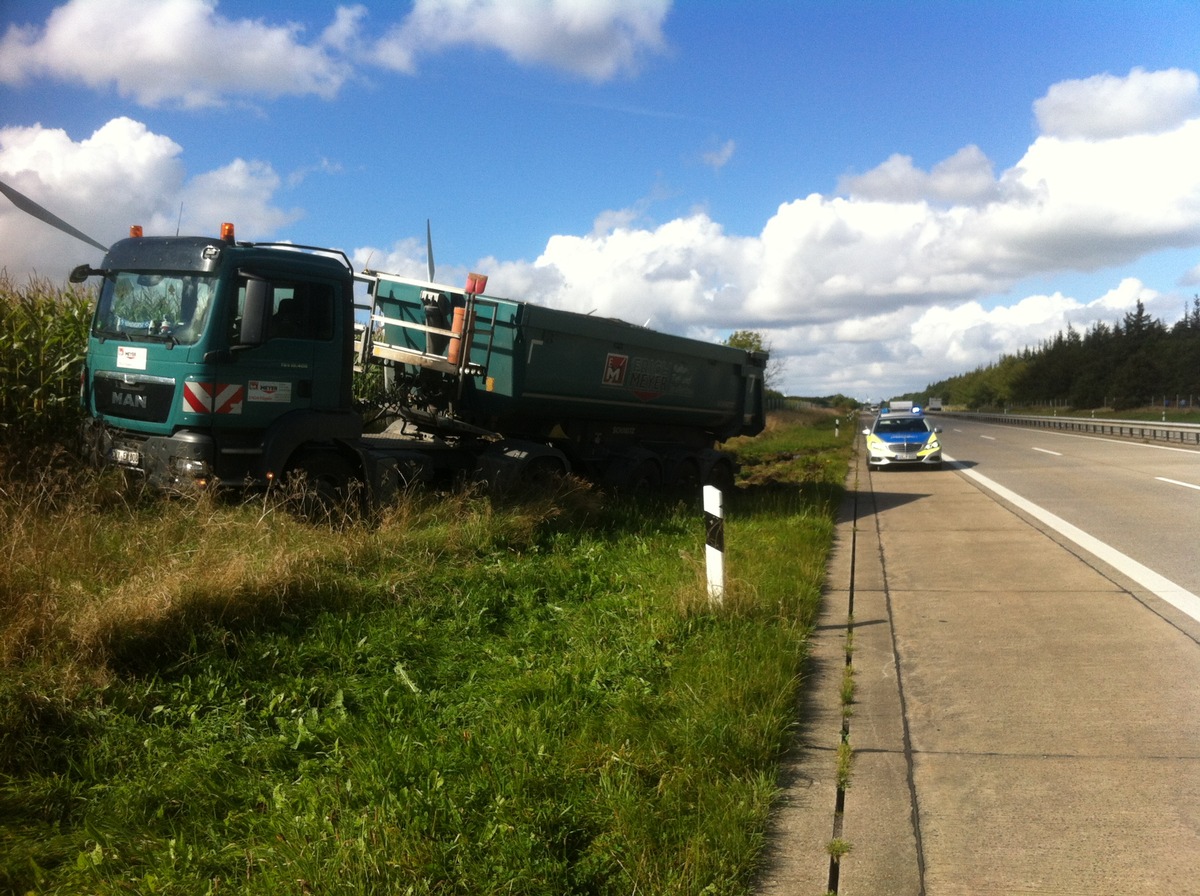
[615, 368]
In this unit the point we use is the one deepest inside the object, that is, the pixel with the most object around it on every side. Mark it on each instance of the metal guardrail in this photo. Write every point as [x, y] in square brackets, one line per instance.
[1183, 433]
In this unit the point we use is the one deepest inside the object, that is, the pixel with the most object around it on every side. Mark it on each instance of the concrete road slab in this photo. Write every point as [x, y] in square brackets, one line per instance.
[1002, 559]
[1002, 825]
[883, 855]
[1083, 673]
[1025, 720]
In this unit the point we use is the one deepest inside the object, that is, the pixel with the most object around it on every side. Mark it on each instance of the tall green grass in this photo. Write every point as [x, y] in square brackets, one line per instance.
[461, 697]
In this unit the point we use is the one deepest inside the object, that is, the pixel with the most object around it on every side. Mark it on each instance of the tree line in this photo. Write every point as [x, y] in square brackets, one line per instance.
[1135, 362]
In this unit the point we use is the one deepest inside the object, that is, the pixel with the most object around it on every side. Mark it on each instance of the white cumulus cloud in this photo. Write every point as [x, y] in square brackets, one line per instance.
[187, 53]
[1105, 106]
[175, 52]
[595, 39]
[100, 185]
[122, 174]
[967, 177]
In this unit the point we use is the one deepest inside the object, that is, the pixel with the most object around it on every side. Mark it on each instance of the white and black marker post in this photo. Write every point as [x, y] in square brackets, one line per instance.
[714, 542]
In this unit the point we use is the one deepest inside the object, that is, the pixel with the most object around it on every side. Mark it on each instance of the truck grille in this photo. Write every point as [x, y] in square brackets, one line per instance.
[133, 396]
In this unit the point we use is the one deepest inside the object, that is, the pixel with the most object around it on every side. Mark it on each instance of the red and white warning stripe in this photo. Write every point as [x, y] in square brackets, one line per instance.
[213, 398]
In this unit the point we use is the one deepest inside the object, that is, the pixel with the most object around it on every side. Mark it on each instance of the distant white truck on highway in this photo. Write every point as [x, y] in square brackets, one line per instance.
[934, 404]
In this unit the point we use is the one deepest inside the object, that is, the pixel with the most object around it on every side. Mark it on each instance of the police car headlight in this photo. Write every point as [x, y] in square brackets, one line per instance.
[933, 445]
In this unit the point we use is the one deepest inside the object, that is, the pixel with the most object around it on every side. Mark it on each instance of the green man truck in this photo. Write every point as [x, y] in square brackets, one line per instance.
[213, 360]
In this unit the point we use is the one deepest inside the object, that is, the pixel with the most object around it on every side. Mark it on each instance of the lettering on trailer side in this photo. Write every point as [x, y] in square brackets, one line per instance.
[649, 378]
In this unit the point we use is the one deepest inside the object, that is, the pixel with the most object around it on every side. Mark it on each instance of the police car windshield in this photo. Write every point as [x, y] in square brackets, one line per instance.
[901, 424]
[169, 307]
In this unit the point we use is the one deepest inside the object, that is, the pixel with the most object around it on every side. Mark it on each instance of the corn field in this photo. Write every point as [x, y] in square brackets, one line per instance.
[43, 337]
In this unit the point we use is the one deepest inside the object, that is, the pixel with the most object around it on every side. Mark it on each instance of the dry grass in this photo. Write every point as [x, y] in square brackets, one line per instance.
[95, 575]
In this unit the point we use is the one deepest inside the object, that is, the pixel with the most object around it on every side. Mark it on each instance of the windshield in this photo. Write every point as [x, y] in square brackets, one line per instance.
[170, 307]
[901, 425]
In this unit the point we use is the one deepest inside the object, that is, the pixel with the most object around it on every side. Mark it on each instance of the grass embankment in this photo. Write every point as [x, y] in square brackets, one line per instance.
[462, 698]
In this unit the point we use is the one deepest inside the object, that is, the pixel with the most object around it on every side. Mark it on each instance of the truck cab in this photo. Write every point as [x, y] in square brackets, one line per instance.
[213, 359]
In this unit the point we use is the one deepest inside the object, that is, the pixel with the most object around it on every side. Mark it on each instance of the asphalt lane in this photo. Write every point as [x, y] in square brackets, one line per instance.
[1143, 499]
[1025, 716]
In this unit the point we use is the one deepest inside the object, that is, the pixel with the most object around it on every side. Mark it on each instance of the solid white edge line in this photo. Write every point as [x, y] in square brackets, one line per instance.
[1177, 596]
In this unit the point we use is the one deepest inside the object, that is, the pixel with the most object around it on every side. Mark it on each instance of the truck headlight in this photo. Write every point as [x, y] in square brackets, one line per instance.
[190, 468]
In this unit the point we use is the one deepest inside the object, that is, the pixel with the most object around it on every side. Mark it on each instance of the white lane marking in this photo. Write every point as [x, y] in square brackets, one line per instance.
[1177, 482]
[1176, 595]
[1131, 440]
[1048, 451]
[989, 438]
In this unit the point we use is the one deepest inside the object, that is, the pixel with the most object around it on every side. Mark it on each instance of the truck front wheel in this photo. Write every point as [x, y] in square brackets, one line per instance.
[324, 485]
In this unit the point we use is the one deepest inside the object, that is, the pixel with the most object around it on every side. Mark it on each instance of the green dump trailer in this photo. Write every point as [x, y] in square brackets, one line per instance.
[623, 404]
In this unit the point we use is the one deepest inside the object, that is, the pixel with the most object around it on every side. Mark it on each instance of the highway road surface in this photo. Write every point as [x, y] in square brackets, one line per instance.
[1139, 499]
[1023, 632]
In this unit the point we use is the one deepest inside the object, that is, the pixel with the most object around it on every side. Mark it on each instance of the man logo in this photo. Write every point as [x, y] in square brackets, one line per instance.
[128, 400]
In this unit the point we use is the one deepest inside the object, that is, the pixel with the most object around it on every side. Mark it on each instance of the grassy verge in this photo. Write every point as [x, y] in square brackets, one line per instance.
[463, 698]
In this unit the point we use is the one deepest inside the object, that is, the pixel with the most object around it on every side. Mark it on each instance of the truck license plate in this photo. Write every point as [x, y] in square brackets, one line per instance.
[126, 456]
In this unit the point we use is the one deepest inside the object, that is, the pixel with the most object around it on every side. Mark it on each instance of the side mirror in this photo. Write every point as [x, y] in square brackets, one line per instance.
[254, 315]
[82, 272]
[867, 432]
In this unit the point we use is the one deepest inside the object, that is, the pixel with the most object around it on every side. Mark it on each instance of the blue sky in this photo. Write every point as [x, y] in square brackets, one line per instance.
[891, 193]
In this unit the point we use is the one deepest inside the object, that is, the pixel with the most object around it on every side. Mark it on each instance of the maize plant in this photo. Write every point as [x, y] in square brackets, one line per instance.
[43, 337]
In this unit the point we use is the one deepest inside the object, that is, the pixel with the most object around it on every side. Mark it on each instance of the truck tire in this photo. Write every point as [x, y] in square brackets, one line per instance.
[687, 476]
[646, 477]
[720, 475]
[542, 472]
[326, 485]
